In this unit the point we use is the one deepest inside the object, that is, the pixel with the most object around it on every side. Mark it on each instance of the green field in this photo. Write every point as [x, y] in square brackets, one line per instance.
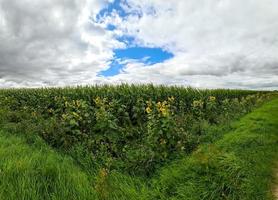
[137, 142]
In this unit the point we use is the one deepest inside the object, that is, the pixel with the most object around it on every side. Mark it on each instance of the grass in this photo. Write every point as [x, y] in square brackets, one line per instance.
[238, 166]
[235, 165]
[36, 172]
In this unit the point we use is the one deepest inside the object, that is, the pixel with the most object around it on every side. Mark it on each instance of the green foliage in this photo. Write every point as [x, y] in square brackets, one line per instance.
[133, 128]
[238, 166]
[208, 174]
[36, 172]
[136, 142]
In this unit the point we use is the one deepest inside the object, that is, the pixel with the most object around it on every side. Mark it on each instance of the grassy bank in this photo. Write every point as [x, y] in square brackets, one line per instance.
[36, 172]
[239, 166]
[233, 161]
[135, 129]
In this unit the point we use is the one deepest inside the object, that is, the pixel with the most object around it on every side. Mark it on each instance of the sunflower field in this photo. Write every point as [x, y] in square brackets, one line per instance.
[133, 128]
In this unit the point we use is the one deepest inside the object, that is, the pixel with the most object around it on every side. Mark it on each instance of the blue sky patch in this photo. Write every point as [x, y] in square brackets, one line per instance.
[114, 69]
[128, 40]
[148, 56]
[111, 27]
[116, 5]
[143, 54]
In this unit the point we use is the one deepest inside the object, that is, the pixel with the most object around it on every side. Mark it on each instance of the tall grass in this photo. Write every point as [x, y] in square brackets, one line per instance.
[239, 166]
[36, 172]
[133, 128]
[135, 142]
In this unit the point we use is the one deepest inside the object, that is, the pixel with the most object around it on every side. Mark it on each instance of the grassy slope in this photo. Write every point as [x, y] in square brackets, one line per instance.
[36, 172]
[238, 166]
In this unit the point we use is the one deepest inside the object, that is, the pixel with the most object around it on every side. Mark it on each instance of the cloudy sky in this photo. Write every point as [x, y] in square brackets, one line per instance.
[199, 43]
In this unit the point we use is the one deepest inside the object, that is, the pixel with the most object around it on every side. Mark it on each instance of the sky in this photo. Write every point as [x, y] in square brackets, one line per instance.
[197, 43]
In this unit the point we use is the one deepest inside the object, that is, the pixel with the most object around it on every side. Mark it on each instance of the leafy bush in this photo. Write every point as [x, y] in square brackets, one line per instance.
[133, 128]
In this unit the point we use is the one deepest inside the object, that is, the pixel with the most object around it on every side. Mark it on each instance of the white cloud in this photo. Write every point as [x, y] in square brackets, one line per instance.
[52, 42]
[222, 40]
[216, 43]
